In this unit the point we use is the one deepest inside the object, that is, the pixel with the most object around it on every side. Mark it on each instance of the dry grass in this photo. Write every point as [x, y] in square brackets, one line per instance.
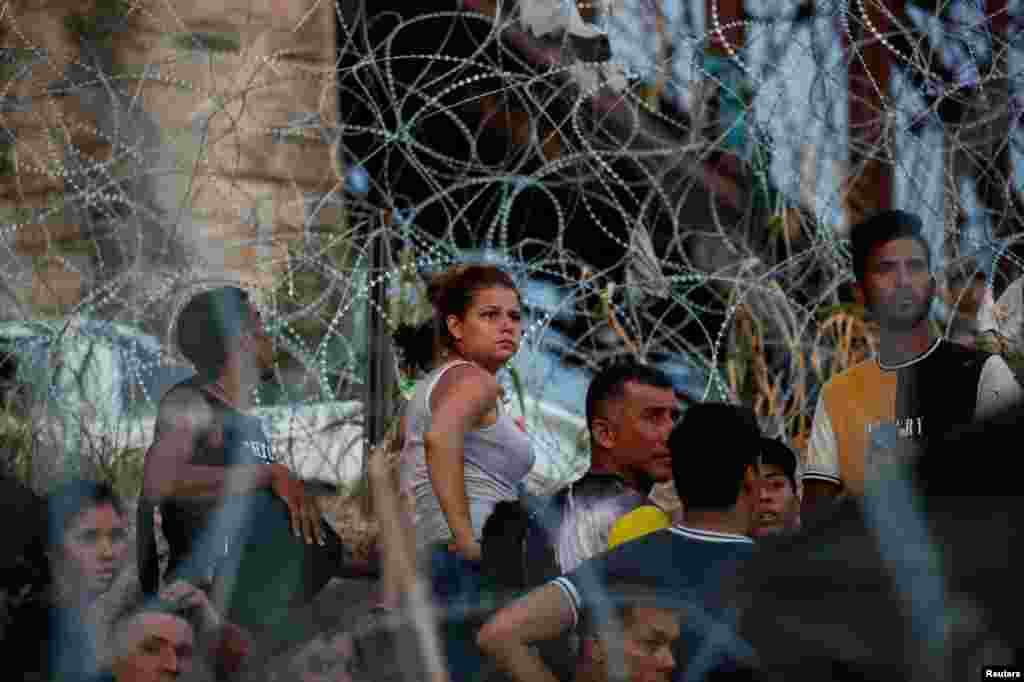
[840, 340]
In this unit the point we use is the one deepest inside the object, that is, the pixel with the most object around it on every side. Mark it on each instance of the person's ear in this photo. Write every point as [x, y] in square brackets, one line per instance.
[603, 432]
[593, 650]
[858, 294]
[455, 327]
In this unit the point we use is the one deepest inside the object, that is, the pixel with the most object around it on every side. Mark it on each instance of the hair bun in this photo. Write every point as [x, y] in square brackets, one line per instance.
[443, 282]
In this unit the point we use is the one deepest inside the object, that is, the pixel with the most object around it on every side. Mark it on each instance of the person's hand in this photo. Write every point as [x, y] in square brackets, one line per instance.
[303, 509]
[191, 598]
[325, 660]
[470, 551]
[521, 423]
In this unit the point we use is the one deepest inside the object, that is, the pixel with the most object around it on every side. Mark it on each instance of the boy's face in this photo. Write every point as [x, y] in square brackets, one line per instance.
[93, 549]
[778, 506]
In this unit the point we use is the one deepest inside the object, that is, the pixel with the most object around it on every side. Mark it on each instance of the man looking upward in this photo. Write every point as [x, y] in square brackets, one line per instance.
[229, 509]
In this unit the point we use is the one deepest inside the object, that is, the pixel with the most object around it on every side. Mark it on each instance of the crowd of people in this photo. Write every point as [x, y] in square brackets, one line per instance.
[856, 559]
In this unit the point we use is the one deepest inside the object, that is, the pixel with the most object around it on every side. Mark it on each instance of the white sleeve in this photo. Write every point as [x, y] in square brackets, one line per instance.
[997, 388]
[821, 457]
[1006, 315]
[987, 313]
[572, 596]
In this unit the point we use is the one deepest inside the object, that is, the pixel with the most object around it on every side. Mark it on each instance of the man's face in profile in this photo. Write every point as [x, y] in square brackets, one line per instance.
[642, 421]
[154, 647]
[778, 506]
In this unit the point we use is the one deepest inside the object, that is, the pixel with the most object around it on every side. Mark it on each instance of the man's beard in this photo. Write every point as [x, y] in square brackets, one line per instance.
[890, 320]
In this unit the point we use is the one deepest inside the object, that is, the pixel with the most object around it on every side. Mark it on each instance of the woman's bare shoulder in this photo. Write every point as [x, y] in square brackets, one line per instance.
[468, 381]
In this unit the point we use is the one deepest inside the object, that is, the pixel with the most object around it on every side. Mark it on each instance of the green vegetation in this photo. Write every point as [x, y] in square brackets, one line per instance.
[209, 41]
[122, 469]
[15, 215]
[97, 26]
[79, 247]
[12, 60]
[7, 164]
[16, 444]
[290, 135]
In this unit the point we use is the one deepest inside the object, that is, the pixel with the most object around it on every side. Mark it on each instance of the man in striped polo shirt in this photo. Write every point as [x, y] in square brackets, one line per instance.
[686, 565]
[920, 384]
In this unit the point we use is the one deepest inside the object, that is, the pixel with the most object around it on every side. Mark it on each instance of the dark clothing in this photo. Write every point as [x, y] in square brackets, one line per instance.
[105, 676]
[44, 642]
[194, 533]
[567, 529]
[825, 603]
[939, 392]
[461, 590]
[685, 568]
[245, 544]
[924, 398]
[24, 557]
[72, 646]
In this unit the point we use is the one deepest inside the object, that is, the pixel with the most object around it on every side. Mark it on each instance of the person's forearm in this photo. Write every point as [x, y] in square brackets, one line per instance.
[519, 661]
[540, 616]
[193, 482]
[396, 543]
[445, 465]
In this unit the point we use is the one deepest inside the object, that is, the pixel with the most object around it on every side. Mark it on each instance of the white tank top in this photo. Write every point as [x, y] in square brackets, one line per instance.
[496, 459]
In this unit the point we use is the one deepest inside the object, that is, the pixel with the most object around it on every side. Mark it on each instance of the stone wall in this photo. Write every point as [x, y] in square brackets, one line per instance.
[212, 113]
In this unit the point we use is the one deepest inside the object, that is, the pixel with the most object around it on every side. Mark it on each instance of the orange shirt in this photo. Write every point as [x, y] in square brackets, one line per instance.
[945, 386]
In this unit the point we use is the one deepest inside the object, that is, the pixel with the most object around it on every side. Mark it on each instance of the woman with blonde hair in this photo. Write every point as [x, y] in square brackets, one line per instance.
[462, 455]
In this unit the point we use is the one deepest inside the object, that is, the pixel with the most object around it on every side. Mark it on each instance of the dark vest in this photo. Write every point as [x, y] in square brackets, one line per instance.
[940, 392]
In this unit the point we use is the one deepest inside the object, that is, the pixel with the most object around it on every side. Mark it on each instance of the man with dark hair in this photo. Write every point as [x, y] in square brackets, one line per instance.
[778, 507]
[684, 565]
[635, 644]
[225, 502]
[922, 384]
[631, 409]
